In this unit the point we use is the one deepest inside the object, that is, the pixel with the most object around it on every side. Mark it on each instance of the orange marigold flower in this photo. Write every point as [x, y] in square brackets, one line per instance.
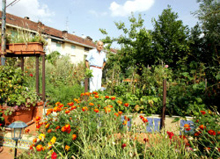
[96, 96]
[57, 127]
[197, 133]
[197, 120]
[91, 104]
[38, 126]
[218, 133]
[187, 127]
[84, 109]
[70, 104]
[120, 112]
[27, 130]
[57, 103]
[203, 112]
[96, 110]
[107, 97]
[61, 105]
[67, 111]
[47, 126]
[212, 132]
[207, 148]
[144, 120]
[125, 122]
[74, 136]
[82, 94]
[113, 98]
[119, 102]
[49, 111]
[107, 109]
[38, 118]
[39, 147]
[116, 114]
[73, 107]
[63, 129]
[31, 147]
[87, 93]
[141, 116]
[49, 130]
[202, 127]
[67, 147]
[126, 104]
[126, 118]
[34, 140]
[95, 92]
[67, 126]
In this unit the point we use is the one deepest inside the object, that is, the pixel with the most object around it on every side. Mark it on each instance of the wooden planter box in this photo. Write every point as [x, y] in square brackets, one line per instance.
[20, 115]
[31, 47]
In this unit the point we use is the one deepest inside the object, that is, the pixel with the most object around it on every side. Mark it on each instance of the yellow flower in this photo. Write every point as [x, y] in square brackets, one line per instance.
[53, 140]
[67, 147]
[42, 137]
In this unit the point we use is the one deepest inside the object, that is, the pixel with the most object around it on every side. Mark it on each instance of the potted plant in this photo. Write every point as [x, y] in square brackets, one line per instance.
[17, 100]
[25, 41]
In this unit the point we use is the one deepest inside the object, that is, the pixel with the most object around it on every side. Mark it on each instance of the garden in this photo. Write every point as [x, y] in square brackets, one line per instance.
[113, 123]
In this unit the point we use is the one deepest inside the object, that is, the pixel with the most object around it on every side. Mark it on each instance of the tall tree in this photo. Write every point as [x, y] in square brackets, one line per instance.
[170, 38]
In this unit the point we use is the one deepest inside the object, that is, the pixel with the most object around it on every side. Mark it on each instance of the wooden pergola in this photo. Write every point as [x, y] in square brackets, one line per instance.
[36, 54]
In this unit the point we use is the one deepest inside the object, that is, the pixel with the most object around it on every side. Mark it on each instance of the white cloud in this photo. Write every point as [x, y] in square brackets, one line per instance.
[130, 6]
[97, 14]
[30, 8]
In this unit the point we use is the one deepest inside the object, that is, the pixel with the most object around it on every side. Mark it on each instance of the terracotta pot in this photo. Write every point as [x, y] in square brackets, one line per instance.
[19, 115]
[30, 47]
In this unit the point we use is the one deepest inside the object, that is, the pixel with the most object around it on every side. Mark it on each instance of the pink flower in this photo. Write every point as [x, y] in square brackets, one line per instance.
[54, 155]
[166, 66]
[170, 134]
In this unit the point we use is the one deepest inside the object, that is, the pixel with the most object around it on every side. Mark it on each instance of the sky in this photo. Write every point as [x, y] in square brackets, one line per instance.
[86, 17]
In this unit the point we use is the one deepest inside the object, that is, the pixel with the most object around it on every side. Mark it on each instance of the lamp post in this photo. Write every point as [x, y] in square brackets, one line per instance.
[16, 133]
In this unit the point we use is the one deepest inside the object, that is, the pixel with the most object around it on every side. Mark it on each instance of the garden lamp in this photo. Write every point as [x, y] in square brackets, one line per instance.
[16, 133]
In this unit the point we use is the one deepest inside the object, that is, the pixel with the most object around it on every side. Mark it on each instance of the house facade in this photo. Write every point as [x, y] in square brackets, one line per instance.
[62, 41]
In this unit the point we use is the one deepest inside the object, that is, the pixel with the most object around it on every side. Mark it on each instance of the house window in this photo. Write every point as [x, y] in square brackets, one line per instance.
[86, 49]
[73, 47]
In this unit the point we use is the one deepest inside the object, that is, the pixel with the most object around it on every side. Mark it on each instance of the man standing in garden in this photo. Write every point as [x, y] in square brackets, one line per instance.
[96, 61]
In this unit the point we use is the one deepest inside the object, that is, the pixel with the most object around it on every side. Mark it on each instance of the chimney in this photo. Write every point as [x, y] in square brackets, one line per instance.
[89, 38]
[83, 36]
[41, 26]
[27, 18]
[65, 34]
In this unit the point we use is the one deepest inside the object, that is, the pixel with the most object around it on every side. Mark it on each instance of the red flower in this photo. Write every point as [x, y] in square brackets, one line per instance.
[202, 127]
[31, 74]
[73, 107]
[70, 104]
[54, 155]
[74, 136]
[197, 133]
[27, 130]
[57, 127]
[141, 116]
[182, 136]
[107, 97]
[146, 140]
[113, 98]
[96, 110]
[123, 145]
[116, 114]
[203, 112]
[187, 127]
[212, 132]
[144, 120]
[96, 96]
[0, 124]
[67, 111]
[170, 134]
[126, 104]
